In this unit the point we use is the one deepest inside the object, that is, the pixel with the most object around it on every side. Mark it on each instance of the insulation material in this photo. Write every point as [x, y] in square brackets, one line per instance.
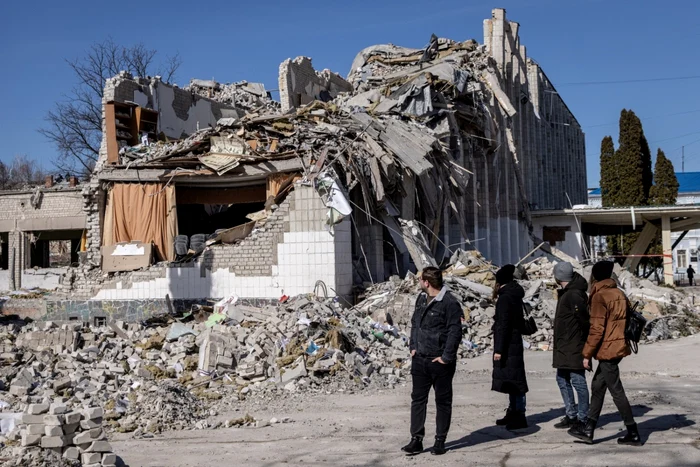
[333, 198]
[144, 212]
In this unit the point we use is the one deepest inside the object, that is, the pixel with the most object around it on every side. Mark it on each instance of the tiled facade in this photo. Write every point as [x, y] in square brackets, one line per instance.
[305, 252]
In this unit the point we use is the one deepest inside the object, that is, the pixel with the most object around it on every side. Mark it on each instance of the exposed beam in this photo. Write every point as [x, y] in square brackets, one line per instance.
[640, 246]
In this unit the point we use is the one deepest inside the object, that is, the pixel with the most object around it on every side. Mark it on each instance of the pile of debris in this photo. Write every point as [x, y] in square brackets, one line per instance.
[173, 372]
[51, 434]
[251, 97]
[169, 373]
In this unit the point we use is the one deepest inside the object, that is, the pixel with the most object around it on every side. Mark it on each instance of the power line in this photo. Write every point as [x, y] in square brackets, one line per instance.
[648, 80]
[674, 137]
[645, 118]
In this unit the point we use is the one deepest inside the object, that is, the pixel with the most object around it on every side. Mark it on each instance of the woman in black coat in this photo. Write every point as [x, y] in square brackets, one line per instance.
[508, 362]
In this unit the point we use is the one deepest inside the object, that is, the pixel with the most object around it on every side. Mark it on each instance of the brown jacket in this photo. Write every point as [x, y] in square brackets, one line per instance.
[608, 308]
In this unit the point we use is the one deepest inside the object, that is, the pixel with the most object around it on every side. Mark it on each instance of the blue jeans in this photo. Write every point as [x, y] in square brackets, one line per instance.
[517, 402]
[568, 381]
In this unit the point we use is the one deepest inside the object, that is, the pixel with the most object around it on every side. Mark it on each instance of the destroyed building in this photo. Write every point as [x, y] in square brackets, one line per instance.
[41, 229]
[215, 190]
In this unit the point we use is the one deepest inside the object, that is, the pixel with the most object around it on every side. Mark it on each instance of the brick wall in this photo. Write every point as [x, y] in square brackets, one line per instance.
[53, 204]
[288, 255]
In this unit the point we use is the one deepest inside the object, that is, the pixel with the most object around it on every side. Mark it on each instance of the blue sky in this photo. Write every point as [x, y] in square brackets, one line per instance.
[574, 41]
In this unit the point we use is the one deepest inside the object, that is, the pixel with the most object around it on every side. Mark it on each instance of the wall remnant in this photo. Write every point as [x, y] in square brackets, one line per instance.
[300, 84]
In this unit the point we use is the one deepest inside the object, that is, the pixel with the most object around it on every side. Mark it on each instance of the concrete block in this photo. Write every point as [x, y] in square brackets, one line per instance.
[90, 424]
[53, 442]
[28, 419]
[62, 383]
[93, 413]
[71, 453]
[37, 409]
[73, 417]
[53, 420]
[100, 446]
[109, 459]
[53, 431]
[30, 440]
[88, 436]
[91, 458]
[58, 409]
[36, 429]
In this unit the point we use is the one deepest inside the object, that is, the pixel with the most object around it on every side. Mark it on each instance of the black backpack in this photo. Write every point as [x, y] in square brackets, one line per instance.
[634, 327]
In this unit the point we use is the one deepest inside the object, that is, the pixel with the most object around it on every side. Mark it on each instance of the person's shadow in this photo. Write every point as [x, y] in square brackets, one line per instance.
[493, 433]
[653, 425]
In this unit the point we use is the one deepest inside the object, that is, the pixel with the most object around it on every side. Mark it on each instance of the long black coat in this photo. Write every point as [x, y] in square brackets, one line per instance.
[571, 323]
[509, 372]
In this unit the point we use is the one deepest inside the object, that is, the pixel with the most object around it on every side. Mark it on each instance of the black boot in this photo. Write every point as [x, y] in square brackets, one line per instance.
[414, 447]
[517, 421]
[439, 448]
[584, 432]
[632, 437]
[506, 418]
[566, 422]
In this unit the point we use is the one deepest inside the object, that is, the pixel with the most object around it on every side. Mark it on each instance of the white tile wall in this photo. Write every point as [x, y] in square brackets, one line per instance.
[304, 258]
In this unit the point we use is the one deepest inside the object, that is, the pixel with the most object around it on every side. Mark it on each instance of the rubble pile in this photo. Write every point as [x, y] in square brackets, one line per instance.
[52, 434]
[173, 372]
[251, 97]
[167, 374]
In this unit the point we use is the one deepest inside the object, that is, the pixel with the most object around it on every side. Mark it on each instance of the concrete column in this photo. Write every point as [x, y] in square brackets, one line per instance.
[668, 249]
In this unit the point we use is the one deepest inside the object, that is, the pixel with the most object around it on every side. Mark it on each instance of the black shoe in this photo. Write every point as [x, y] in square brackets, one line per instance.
[506, 418]
[414, 447]
[517, 421]
[566, 422]
[439, 448]
[632, 437]
[584, 432]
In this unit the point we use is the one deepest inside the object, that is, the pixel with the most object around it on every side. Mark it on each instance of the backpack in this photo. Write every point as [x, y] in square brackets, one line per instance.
[634, 326]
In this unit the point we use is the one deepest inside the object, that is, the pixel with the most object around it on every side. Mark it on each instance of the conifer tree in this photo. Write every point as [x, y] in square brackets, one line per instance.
[608, 175]
[665, 189]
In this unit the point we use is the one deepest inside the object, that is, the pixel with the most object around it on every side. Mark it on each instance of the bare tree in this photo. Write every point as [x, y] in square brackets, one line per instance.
[75, 124]
[21, 172]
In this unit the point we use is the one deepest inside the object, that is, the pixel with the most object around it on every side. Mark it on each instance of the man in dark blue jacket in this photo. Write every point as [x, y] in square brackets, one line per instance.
[436, 332]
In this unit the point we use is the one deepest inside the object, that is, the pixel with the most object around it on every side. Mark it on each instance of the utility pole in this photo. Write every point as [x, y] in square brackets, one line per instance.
[683, 159]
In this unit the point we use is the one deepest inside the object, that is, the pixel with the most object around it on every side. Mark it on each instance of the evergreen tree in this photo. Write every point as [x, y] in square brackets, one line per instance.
[627, 176]
[608, 175]
[630, 162]
[665, 189]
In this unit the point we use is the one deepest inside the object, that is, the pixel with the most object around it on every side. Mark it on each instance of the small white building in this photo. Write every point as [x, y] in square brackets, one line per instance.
[685, 252]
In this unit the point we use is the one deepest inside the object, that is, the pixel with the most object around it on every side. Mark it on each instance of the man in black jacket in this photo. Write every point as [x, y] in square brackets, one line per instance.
[571, 323]
[436, 332]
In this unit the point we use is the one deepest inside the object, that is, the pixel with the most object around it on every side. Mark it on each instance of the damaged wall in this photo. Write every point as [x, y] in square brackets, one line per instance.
[300, 84]
[181, 112]
[288, 256]
[25, 216]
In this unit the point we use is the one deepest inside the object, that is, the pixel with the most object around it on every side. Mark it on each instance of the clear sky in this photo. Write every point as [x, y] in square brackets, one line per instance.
[575, 41]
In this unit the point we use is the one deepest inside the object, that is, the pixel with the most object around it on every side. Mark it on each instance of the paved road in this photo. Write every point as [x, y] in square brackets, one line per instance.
[663, 385]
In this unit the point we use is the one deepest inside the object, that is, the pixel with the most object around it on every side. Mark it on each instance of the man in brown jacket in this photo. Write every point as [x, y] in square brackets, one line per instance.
[606, 343]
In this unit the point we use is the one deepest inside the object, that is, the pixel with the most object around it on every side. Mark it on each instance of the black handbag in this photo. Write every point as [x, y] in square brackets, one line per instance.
[529, 326]
[634, 327]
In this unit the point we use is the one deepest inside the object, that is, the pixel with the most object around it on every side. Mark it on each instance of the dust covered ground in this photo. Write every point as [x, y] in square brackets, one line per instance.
[662, 383]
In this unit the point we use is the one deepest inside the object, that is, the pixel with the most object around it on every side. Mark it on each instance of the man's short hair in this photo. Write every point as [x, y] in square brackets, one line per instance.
[433, 276]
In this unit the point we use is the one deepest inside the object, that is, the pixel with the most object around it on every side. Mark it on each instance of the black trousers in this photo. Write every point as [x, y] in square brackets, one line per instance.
[428, 374]
[607, 377]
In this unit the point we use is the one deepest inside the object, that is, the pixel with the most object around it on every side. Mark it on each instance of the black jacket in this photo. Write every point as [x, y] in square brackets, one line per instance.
[436, 327]
[571, 323]
[509, 371]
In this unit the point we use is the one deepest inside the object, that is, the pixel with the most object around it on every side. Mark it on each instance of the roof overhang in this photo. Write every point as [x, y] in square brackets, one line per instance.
[607, 221]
